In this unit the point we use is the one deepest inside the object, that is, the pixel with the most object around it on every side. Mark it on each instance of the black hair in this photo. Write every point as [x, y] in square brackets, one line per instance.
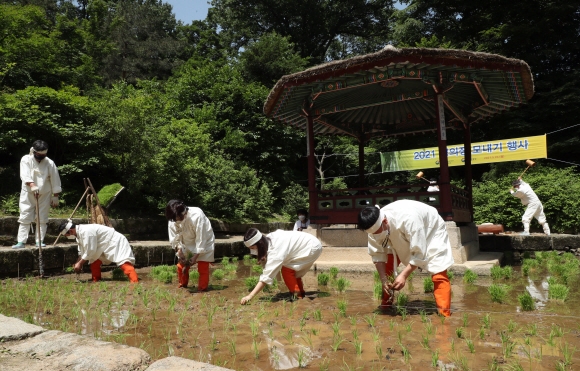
[262, 244]
[174, 209]
[39, 145]
[302, 211]
[517, 182]
[62, 226]
[368, 217]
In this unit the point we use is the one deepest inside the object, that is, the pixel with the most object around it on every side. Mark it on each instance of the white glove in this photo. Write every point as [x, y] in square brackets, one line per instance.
[54, 201]
[34, 188]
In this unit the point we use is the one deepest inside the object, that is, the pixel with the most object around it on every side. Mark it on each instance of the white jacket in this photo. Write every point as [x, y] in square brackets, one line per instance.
[290, 249]
[44, 174]
[417, 234]
[194, 234]
[525, 193]
[103, 243]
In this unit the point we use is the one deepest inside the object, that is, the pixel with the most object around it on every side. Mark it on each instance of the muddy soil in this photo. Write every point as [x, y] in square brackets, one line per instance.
[328, 330]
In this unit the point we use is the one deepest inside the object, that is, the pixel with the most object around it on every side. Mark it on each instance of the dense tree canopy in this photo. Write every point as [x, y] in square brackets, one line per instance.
[123, 92]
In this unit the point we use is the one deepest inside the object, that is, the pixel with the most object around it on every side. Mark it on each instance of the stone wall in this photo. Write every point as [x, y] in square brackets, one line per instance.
[516, 246]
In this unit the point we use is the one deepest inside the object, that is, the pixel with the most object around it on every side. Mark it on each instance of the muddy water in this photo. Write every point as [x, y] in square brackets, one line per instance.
[276, 333]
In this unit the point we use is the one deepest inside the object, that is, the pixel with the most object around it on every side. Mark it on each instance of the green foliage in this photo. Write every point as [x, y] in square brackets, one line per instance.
[107, 193]
[527, 302]
[378, 290]
[164, 273]
[294, 197]
[323, 279]
[251, 282]
[333, 271]
[193, 275]
[257, 269]
[494, 204]
[342, 284]
[498, 272]
[9, 204]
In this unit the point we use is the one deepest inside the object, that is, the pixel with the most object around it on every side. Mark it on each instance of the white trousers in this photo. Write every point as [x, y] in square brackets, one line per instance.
[534, 210]
[28, 213]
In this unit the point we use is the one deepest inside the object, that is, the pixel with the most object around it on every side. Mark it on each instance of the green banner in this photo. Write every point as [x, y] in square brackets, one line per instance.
[481, 153]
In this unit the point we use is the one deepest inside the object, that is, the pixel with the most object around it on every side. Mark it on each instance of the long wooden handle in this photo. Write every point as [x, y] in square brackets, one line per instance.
[73, 213]
[40, 261]
[524, 172]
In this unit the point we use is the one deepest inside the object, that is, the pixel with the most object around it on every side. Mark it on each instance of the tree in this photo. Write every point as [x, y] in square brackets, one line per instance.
[312, 25]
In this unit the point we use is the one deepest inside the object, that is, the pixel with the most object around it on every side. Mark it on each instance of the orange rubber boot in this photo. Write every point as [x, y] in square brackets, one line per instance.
[183, 277]
[442, 292]
[386, 302]
[289, 277]
[301, 286]
[96, 270]
[203, 282]
[129, 271]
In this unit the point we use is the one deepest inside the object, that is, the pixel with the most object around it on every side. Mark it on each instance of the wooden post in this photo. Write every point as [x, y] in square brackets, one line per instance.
[468, 173]
[312, 193]
[444, 185]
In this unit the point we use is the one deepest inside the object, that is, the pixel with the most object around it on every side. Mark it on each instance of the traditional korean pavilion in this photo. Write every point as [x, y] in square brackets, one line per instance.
[397, 92]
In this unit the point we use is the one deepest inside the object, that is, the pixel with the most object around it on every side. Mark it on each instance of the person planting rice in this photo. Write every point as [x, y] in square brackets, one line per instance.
[191, 235]
[99, 244]
[413, 233]
[40, 181]
[534, 209]
[293, 252]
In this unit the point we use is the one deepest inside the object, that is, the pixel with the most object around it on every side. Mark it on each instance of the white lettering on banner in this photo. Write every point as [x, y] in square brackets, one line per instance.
[441, 117]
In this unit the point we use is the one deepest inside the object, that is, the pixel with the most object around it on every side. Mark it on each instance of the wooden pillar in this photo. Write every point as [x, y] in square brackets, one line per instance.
[444, 185]
[468, 173]
[312, 193]
[361, 161]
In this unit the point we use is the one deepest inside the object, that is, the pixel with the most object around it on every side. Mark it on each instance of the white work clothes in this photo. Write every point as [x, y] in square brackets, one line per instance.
[525, 193]
[99, 242]
[433, 188]
[534, 208]
[417, 235]
[301, 224]
[194, 234]
[290, 249]
[45, 175]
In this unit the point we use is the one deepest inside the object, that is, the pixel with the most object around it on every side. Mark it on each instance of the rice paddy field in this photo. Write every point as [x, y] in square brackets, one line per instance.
[521, 318]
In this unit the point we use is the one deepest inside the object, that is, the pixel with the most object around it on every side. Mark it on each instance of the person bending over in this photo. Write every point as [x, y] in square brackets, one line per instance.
[413, 233]
[99, 244]
[191, 235]
[292, 252]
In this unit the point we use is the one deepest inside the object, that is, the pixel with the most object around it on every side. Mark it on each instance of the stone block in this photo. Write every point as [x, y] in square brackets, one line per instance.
[56, 350]
[15, 329]
[181, 364]
[343, 237]
[563, 241]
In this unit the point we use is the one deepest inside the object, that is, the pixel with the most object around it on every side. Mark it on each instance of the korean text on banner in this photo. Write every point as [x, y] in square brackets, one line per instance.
[481, 153]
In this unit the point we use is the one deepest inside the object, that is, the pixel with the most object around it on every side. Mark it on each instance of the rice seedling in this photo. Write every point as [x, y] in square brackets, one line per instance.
[460, 361]
[353, 319]
[251, 282]
[118, 275]
[470, 345]
[255, 348]
[378, 290]
[164, 273]
[253, 261]
[428, 285]
[230, 268]
[527, 302]
[558, 291]
[234, 259]
[218, 274]
[323, 279]
[406, 354]
[560, 366]
[402, 299]
[507, 345]
[376, 277]
[317, 314]
[459, 332]
[342, 284]
[324, 364]
[498, 292]
[358, 347]
[434, 357]
[423, 315]
[225, 260]
[289, 336]
[336, 328]
[486, 320]
[425, 341]
[333, 271]
[482, 332]
[512, 326]
[302, 358]
[341, 305]
[469, 276]
[254, 329]
[379, 350]
[465, 319]
[498, 272]
[450, 275]
[257, 268]
[336, 341]
[429, 328]
[403, 312]
[557, 330]
[247, 258]
[370, 319]
[193, 275]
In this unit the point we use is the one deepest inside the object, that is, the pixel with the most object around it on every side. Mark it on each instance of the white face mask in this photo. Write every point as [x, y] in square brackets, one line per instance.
[301, 217]
[253, 251]
[71, 237]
